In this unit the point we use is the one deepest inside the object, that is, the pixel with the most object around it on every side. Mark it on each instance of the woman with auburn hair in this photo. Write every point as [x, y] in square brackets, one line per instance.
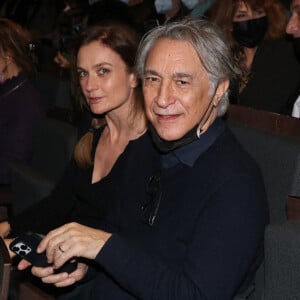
[114, 148]
[20, 103]
[255, 30]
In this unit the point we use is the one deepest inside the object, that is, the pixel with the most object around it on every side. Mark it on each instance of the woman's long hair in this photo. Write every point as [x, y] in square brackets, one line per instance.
[16, 41]
[123, 40]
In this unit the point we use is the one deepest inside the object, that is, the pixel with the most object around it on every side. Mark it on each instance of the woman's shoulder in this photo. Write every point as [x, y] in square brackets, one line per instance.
[281, 46]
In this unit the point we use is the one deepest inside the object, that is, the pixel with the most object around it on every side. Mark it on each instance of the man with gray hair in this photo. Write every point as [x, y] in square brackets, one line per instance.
[200, 233]
[211, 192]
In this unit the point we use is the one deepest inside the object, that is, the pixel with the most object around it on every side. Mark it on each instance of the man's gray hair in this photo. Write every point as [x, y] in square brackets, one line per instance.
[212, 49]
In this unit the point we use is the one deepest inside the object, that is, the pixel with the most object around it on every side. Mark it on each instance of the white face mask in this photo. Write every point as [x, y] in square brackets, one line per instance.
[190, 4]
[163, 6]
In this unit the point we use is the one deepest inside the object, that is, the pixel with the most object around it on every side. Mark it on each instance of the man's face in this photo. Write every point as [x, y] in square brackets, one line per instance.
[293, 26]
[176, 88]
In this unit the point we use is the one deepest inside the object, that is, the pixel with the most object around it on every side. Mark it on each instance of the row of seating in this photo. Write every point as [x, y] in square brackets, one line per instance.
[272, 139]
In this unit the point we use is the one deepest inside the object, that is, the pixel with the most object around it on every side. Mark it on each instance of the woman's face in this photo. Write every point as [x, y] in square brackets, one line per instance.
[104, 79]
[245, 13]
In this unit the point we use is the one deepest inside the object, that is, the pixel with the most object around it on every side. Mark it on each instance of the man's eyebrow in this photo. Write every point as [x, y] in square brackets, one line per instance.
[151, 72]
[175, 75]
[182, 75]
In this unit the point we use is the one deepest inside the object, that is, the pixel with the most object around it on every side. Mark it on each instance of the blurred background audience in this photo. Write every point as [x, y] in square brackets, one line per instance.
[20, 102]
[293, 29]
[255, 30]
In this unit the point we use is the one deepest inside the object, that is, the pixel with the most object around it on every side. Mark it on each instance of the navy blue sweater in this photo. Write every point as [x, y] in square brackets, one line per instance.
[211, 211]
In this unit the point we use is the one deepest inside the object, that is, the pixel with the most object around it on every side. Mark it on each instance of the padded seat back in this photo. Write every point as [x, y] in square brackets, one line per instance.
[275, 150]
[274, 142]
[277, 157]
[53, 144]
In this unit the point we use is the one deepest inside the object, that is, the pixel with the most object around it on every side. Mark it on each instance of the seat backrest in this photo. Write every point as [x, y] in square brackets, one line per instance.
[282, 276]
[5, 269]
[56, 91]
[274, 142]
[53, 145]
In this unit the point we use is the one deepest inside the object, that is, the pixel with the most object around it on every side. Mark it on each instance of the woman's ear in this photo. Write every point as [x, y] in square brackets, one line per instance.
[221, 90]
[133, 80]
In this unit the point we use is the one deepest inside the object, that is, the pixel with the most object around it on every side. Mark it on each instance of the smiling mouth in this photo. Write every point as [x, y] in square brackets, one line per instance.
[167, 118]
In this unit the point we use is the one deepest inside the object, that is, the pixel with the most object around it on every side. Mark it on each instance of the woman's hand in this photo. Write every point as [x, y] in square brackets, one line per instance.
[72, 240]
[47, 274]
[64, 279]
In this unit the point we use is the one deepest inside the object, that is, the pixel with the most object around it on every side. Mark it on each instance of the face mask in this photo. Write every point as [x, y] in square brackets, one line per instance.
[190, 4]
[250, 33]
[163, 6]
[167, 146]
[296, 42]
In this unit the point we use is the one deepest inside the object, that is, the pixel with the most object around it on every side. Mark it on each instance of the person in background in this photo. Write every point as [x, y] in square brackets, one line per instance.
[255, 30]
[70, 24]
[199, 8]
[293, 28]
[109, 160]
[170, 10]
[20, 103]
[201, 235]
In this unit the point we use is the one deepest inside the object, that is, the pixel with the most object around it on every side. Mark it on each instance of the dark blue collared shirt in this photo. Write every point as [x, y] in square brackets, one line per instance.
[189, 153]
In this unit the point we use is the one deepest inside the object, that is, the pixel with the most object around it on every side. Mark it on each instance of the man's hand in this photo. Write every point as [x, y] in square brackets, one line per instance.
[70, 241]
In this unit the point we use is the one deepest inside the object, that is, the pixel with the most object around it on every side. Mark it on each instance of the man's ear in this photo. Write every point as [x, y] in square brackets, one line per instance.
[221, 90]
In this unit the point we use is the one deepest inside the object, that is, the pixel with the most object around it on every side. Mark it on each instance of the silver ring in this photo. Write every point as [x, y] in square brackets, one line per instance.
[60, 249]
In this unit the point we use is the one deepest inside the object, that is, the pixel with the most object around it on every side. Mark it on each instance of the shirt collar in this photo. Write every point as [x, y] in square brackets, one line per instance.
[188, 154]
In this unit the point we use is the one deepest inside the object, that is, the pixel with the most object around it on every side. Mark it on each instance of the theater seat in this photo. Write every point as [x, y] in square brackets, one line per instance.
[53, 143]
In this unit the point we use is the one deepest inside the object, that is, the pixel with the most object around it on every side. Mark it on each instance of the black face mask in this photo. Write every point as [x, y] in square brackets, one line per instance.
[167, 146]
[250, 33]
[296, 42]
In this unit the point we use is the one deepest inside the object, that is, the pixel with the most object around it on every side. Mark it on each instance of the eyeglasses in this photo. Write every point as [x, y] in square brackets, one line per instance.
[150, 208]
